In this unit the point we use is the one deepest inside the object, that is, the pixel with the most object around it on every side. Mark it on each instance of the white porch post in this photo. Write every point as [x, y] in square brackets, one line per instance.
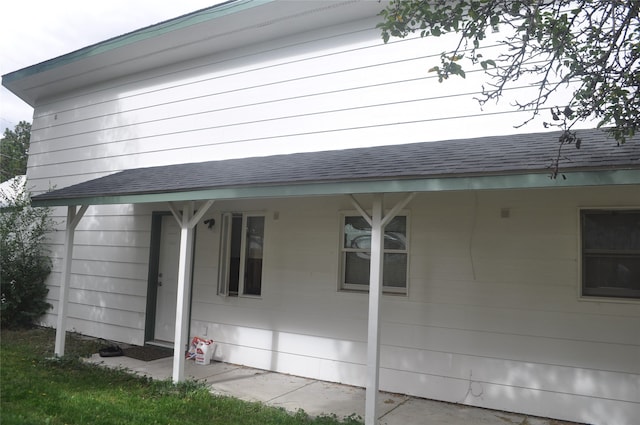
[182, 303]
[378, 221]
[375, 291]
[73, 218]
[187, 220]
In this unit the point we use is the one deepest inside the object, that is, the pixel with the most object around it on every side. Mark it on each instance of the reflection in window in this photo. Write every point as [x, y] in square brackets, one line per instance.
[356, 254]
[611, 253]
[241, 254]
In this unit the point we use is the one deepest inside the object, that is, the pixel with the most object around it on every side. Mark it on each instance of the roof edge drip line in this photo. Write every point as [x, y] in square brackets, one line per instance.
[494, 182]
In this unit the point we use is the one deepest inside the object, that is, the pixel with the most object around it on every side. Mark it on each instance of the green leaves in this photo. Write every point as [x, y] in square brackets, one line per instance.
[455, 69]
[592, 47]
[487, 63]
[24, 261]
[14, 148]
[449, 67]
[471, 19]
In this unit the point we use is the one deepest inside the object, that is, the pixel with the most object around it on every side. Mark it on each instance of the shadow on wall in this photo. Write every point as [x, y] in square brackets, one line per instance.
[576, 393]
[546, 390]
[109, 273]
[285, 352]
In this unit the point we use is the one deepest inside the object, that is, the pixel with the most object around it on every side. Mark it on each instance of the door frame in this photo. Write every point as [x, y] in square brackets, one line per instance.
[152, 277]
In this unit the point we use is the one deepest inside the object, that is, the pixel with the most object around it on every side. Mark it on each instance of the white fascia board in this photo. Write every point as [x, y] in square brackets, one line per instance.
[498, 182]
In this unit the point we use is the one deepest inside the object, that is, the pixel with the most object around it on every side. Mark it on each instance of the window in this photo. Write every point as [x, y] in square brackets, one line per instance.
[356, 254]
[241, 253]
[611, 253]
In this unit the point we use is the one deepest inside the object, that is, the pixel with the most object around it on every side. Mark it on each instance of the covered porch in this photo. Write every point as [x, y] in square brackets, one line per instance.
[365, 178]
[188, 214]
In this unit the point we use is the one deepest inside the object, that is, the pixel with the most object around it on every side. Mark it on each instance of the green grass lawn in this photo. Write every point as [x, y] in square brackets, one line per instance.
[35, 389]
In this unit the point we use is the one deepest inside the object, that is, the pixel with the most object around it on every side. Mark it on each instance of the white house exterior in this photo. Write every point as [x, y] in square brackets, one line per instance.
[492, 288]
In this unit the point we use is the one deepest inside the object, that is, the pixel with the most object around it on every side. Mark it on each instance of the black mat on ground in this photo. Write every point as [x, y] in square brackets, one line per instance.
[148, 352]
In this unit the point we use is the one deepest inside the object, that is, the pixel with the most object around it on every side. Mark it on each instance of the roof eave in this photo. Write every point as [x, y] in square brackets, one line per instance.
[176, 40]
[18, 81]
[537, 180]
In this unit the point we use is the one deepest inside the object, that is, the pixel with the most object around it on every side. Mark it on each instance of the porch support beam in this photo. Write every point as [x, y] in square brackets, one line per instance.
[73, 218]
[378, 221]
[373, 329]
[361, 210]
[187, 219]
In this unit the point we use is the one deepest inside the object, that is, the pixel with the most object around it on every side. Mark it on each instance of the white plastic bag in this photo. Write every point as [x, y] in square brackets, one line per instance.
[204, 351]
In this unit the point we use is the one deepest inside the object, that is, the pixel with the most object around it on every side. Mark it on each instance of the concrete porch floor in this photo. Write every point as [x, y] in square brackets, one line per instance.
[319, 397]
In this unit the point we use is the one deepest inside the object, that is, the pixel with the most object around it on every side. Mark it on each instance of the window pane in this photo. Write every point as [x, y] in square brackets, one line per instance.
[395, 270]
[604, 272]
[395, 234]
[616, 230]
[611, 253]
[356, 268]
[357, 233]
[357, 236]
[253, 255]
[234, 257]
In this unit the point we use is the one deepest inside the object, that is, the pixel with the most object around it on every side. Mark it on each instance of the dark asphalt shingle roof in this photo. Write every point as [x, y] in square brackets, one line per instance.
[497, 155]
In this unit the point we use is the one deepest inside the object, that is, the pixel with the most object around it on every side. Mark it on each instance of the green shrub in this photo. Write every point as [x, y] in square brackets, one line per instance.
[24, 260]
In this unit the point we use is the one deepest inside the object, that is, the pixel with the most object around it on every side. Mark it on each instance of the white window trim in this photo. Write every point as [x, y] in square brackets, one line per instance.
[364, 289]
[224, 256]
[595, 298]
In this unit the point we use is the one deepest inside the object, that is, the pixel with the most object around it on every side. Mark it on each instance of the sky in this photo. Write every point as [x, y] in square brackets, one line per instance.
[33, 31]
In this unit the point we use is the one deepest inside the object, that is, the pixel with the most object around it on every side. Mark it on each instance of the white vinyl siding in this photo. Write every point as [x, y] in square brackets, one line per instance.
[328, 89]
[108, 287]
[493, 317]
